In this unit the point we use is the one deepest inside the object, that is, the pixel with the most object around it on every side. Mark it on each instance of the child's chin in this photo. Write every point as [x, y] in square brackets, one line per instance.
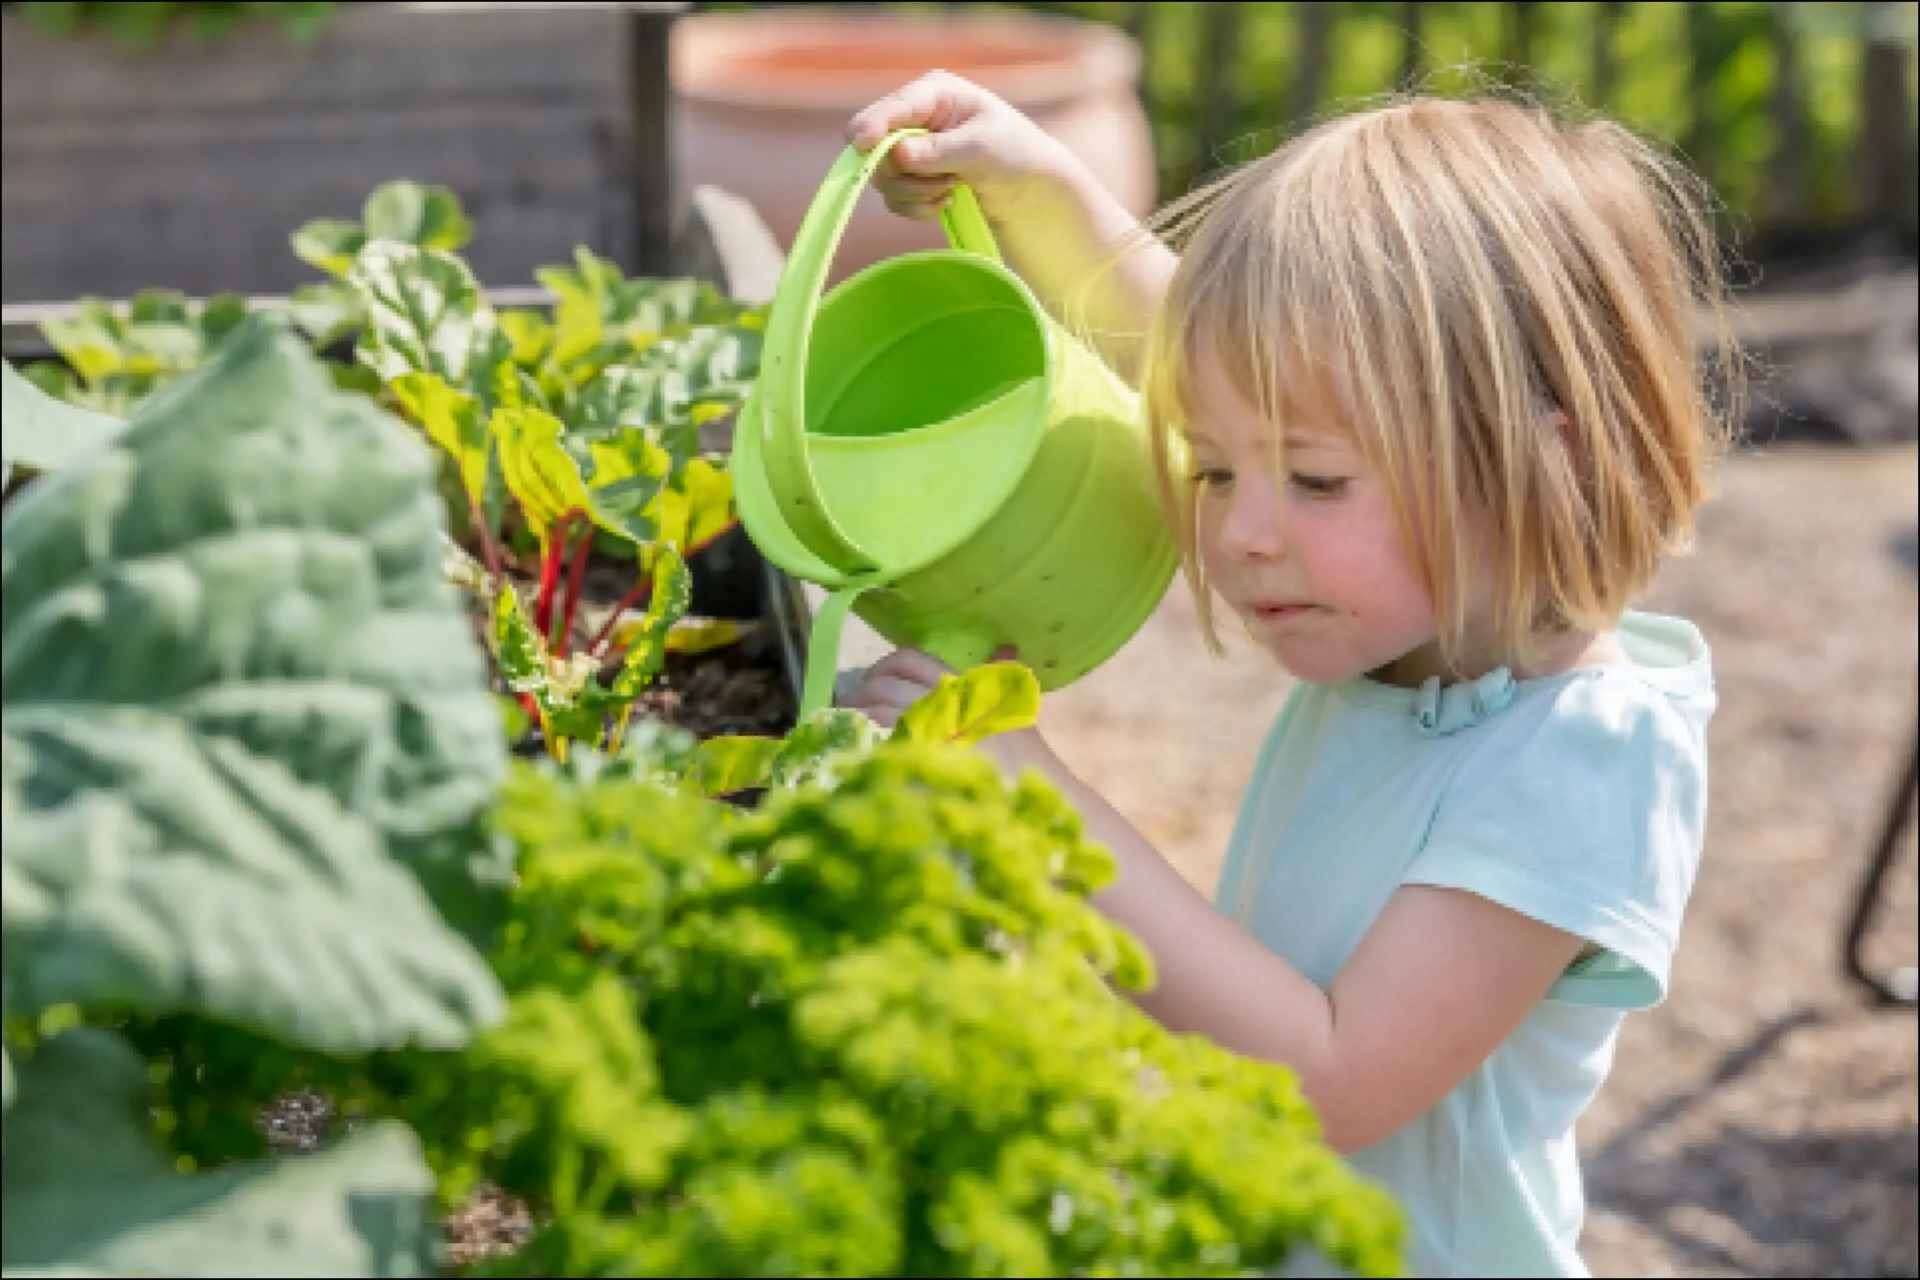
[1316, 667]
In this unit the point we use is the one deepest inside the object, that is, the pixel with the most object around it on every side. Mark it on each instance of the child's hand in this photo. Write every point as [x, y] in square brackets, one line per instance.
[905, 676]
[975, 138]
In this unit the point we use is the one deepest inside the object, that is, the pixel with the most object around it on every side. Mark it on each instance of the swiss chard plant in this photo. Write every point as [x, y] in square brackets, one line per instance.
[245, 748]
[577, 431]
[566, 432]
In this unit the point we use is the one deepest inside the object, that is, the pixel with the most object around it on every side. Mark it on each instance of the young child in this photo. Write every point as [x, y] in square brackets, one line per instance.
[1424, 396]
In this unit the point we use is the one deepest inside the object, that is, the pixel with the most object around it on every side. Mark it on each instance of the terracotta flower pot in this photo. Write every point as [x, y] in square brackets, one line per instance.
[762, 101]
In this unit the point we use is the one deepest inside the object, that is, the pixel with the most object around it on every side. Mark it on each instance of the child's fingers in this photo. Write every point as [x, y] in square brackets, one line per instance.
[883, 698]
[919, 210]
[911, 189]
[952, 152]
[931, 102]
[913, 665]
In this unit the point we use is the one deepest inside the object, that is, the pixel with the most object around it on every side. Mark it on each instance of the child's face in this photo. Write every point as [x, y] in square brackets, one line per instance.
[1312, 561]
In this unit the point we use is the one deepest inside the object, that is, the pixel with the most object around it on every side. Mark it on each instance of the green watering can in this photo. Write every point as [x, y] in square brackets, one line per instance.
[928, 445]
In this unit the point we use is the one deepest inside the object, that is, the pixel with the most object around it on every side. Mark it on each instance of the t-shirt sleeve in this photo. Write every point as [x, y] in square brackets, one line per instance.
[1585, 810]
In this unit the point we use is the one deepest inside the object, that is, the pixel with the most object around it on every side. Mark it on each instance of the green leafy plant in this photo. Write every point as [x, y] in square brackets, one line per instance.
[582, 428]
[142, 24]
[865, 1029]
[402, 212]
[859, 1032]
[117, 356]
[962, 711]
[245, 744]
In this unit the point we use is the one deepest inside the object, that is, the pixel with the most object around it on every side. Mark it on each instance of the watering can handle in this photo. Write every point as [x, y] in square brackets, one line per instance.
[783, 365]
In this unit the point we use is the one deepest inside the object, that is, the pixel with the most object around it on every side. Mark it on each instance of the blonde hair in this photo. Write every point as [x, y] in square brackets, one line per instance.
[1508, 303]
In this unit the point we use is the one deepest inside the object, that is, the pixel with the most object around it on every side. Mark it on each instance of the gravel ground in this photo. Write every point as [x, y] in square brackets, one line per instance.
[1765, 1120]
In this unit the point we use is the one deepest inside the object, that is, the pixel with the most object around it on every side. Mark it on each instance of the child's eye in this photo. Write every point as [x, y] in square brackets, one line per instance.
[1319, 486]
[1215, 478]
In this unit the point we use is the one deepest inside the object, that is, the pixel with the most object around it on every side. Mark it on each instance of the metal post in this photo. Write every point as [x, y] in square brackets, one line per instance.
[1899, 987]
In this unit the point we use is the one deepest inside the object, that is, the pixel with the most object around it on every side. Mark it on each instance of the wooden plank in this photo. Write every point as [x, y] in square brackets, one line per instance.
[371, 57]
[207, 210]
[188, 168]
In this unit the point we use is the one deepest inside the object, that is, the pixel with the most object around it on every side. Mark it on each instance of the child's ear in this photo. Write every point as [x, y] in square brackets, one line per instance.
[1555, 418]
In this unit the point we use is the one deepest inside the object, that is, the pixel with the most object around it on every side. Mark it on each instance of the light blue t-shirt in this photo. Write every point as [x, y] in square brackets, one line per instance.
[1577, 799]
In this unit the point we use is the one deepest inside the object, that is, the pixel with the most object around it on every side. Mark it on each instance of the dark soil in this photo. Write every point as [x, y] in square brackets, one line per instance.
[737, 690]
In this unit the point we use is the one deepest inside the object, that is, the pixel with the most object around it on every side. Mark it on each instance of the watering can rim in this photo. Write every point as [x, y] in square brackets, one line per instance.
[777, 539]
[781, 450]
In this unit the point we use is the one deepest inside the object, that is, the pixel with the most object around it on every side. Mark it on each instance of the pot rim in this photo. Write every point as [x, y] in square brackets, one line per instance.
[1059, 58]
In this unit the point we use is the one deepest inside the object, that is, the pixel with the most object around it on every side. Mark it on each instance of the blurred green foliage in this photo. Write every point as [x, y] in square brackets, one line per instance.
[141, 24]
[1700, 77]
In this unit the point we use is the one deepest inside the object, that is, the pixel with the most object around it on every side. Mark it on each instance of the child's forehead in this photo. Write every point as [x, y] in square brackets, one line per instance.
[1290, 386]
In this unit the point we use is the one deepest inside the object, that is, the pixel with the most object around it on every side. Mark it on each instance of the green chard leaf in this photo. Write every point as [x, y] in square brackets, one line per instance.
[242, 716]
[453, 420]
[329, 244]
[818, 749]
[85, 1191]
[657, 752]
[697, 506]
[518, 650]
[617, 493]
[733, 764]
[572, 704]
[530, 333]
[626, 474]
[327, 311]
[430, 217]
[425, 314]
[405, 212]
[965, 709]
[646, 651]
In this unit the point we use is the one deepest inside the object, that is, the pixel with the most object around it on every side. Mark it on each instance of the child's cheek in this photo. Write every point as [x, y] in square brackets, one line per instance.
[1362, 567]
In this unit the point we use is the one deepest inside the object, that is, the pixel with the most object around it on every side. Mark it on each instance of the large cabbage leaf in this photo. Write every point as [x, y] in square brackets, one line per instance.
[246, 727]
[43, 433]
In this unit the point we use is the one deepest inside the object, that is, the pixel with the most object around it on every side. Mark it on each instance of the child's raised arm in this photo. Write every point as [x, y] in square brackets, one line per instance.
[1059, 228]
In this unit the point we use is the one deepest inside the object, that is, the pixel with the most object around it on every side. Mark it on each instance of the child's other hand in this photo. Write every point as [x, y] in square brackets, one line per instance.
[904, 676]
[895, 683]
[974, 137]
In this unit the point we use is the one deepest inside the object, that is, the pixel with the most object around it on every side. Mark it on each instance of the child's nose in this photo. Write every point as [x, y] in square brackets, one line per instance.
[1254, 528]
